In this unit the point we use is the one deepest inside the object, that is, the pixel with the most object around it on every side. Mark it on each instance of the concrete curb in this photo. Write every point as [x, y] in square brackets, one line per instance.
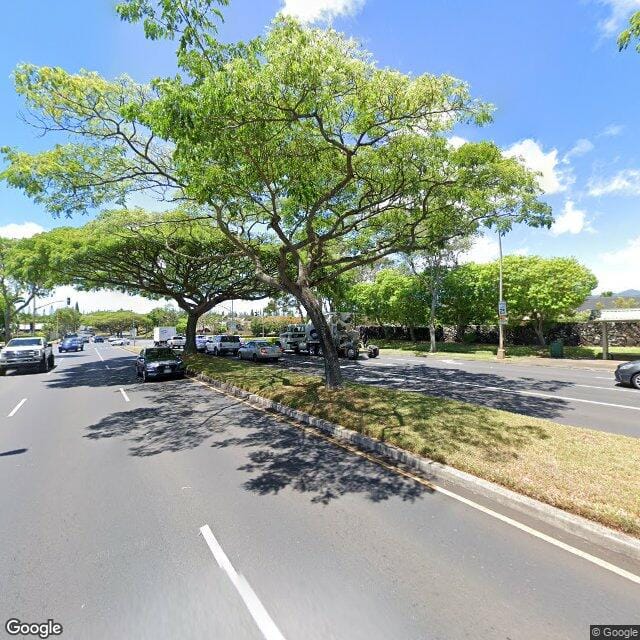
[576, 525]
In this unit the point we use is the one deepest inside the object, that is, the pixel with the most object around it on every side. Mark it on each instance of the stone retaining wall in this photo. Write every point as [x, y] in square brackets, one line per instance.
[621, 334]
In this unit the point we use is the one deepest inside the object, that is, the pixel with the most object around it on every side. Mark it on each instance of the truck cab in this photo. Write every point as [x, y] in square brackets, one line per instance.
[27, 354]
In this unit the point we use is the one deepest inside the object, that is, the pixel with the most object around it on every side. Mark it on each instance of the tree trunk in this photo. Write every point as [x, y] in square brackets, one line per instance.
[412, 333]
[540, 332]
[460, 331]
[333, 375]
[432, 324]
[190, 335]
[7, 324]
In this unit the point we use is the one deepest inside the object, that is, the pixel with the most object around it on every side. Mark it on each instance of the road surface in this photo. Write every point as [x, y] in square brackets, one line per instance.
[167, 510]
[578, 397]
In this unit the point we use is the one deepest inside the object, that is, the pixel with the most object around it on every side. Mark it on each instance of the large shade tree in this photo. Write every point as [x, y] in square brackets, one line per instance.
[297, 137]
[170, 255]
[24, 276]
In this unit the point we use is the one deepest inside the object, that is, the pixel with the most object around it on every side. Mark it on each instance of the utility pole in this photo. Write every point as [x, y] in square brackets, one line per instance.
[502, 307]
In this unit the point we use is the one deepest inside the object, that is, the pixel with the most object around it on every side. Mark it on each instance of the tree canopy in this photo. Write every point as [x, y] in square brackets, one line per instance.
[169, 255]
[297, 137]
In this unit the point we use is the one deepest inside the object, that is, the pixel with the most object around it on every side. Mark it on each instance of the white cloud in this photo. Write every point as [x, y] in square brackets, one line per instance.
[612, 130]
[552, 178]
[625, 182]
[20, 230]
[456, 141]
[613, 268]
[620, 11]
[571, 220]
[485, 249]
[316, 10]
[482, 250]
[581, 147]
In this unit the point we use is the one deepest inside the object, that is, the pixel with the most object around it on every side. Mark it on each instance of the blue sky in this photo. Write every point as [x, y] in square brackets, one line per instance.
[566, 100]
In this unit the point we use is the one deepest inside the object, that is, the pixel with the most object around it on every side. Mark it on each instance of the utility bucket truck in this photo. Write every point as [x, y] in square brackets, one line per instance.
[304, 337]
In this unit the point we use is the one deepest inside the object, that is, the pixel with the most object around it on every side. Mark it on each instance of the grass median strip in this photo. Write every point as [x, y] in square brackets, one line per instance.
[590, 473]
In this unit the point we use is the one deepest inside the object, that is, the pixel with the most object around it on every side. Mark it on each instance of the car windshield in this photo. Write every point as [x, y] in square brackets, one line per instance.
[230, 338]
[159, 354]
[24, 342]
[262, 344]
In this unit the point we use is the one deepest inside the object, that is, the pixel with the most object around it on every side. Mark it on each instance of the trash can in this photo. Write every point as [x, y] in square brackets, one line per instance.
[556, 349]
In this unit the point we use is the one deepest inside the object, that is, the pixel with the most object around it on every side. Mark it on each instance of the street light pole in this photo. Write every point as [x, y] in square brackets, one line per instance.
[501, 351]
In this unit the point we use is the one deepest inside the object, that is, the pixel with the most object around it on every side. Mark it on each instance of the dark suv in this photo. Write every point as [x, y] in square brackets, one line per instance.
[71, 344]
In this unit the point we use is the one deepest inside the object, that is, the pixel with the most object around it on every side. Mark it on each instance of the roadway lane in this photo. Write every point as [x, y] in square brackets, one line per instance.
[575, 397]
[102, 511]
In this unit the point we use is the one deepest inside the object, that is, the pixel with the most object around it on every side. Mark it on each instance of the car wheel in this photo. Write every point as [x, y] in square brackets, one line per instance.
[44, 365]
[635, 381]
[144, 376]
[3, 372]
[254, 357]
[351, 353]
[52, 361]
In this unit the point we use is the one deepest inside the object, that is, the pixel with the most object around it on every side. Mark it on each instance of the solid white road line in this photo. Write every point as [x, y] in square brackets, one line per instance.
[100, 355]
[474, 505]
[536, 394]
[543, 536]
[124, 394]
[16, 408]
[264, 621]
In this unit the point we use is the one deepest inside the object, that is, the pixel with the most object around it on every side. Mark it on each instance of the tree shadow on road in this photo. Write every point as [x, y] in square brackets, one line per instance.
[277, 455]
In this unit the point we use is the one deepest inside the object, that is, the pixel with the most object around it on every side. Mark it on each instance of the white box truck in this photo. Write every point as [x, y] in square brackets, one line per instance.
[162, 335]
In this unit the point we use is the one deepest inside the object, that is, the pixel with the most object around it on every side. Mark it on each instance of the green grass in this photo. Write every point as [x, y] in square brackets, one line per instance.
[590, 473]
[487, 351]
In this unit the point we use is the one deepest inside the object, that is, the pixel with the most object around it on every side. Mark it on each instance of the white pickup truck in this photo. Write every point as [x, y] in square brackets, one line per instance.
[177, 342]
[27, 353]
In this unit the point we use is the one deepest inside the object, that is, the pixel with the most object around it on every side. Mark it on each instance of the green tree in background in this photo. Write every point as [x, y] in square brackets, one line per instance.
[469, 296]
[169, 255]
[543, 289]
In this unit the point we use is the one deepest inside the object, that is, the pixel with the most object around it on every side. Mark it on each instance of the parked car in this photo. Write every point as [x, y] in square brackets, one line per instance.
[159, 362]
[222, 345]
[71, 344]
[26, 353]
[118, 342]
[629, 373]
[260, 350]
[201, 342]
[177, 342]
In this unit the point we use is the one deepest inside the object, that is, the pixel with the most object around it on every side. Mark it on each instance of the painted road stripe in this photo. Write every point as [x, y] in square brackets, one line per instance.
[16, 408]
[100, 355]
[536, 394]
[470, 503]
[124, 394]
[264, 621]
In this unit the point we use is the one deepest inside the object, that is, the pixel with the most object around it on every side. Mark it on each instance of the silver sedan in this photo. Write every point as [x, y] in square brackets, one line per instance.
[259, 350]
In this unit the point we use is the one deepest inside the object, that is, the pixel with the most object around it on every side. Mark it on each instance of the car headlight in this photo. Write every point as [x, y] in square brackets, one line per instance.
[152, 366]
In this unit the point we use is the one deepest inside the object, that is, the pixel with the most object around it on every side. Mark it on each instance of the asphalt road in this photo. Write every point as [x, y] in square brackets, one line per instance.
[167, 510]
[578, 397]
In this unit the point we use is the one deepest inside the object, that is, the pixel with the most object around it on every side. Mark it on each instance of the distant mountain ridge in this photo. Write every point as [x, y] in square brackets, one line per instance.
[607, 302]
